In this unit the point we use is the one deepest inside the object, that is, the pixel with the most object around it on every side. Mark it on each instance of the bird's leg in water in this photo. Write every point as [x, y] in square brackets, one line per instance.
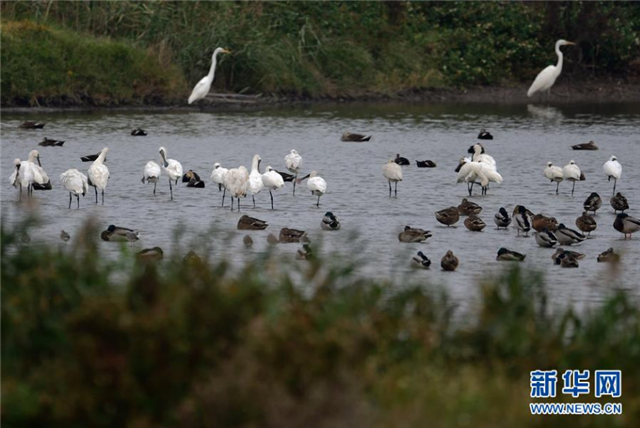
[572, 188]
[232, 204]
[396, 189]
[294, 184]
[389, 188]
[238, 204]
[102, 196]
[318, 204]
[78, 199]
[254, 201]
[223, 194]
[154, 188]
[171, 189]
[96, 190]
[557, 187]
[20, 193]
[271, 194]
[69, 200]
[615, 181]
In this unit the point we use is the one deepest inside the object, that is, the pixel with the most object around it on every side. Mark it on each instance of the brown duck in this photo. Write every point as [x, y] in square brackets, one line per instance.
[251, 223]
[540, 222]
[585, 146]
[448, 216]
[288, 236]
[449, 262]
[586, 223]
[474, 223]
[469, 208]
[410, 234]
[619, 203]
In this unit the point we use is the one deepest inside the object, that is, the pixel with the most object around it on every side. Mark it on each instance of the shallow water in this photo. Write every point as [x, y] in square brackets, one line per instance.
[526, 137]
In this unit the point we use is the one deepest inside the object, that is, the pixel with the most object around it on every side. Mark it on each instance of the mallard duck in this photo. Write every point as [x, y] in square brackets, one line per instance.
[484, 135]
[150, 254]
[573, 254]
[448, 216]
[545, 238]
[247, 241]
[426, 164]
[609, 256]
[272, 239]
[115, 233]
[420, 261]
[139, 132]
[47, 142]
[31, 125]
[474, 223]
[347, 136]
[330, 222]
[64, 236]
[626, 224]
[288, 236]
[304, 253]
[619, 203]
[592, 203]
[585, 146]
[469, 208]
[566, 261]
[91, 158]
[410, 234]
[586, 223]
[509, 256]
[449, 262]
[522, 220]
[251, 223]
[401, 161]
[539, 222]
[502, 219]
[568, 236]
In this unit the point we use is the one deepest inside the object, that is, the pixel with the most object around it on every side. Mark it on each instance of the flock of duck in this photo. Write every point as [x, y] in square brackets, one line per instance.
[479, 168]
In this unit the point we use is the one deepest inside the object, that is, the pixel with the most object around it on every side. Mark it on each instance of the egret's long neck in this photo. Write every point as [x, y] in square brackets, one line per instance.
[214, 60]
[103, 154]
[560, 56]
[254, 165]
[32, 157]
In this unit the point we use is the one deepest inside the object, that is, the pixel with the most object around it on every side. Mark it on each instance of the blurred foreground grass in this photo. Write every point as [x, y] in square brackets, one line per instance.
[88, 341]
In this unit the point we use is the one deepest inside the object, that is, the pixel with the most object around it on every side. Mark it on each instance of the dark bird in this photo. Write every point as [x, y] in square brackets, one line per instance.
[330, 222]
[251, 223]
[91, 158]
[401, 161]
[626, 224]
[426, 164]
[619, 203]
[592, 203]
[304, 253]
[189, 175]
[609, 256]
[139, 132]
[522, 220]
[195, 183]
[47, 142]
[31, 125]
[272, 239]
[357, 138]
[484, 135]
[64, 236]
[566, 261]
[448, 216]
[509, 256]
[151, 254]
[286, 177]
[568, 236]
[467, 207]
[115, 233]
[559, 251]
[586, 223]
[474, 223]
[545, 238]
[502, 219]
[420, 261]
[539, 222]
[45, 186]
[449, 262]
[410, 234]
[288, 236]
[247, 241]
[585, 146]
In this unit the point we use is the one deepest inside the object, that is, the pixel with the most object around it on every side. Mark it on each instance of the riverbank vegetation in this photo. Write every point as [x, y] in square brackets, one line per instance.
[93, 341]
[336, 49]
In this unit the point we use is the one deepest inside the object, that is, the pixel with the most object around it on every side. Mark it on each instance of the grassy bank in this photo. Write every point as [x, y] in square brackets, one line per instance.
[332, 49]
[92, 342]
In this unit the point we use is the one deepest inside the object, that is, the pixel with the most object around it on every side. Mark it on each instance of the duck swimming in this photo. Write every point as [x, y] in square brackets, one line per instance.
[626, 224]
[139, 132]
[304, 253]
[449, 262]
[509, 256]
[251, 223]
[474, 223]
[484, 135]
[420, 261]
[356, 138]
[467, 207]
[31, 125]
[572, 254]
[91, 158]
[586, 223]
[47, 142]
[189, 175]
[288, 236]
[619, 203]
[401, 161]
[448, 216]
[568, 236]
[329, 222]
[411, 235]
[502, 219]
[609, 256]
[426, 164]
[151, 254]
[566, 261]
[247, 241]
[592, 203]
[585, 146]
[272, 239]
[121, 234]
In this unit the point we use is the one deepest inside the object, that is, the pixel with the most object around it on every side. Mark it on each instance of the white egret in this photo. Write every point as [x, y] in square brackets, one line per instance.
[99, 174]
[272, 181]
[76, 183]
[39, 175]
[236, 182]
[572, 173]
[554, 173]
[613, 169]
[316, 185]
[255, 178]
[485, 172]
[547, 77]
[217, 175]
[204, 85]
[478, 154]
[172, 168]
[151, 174]
[22, 176]
[393, 173]
[293, 162]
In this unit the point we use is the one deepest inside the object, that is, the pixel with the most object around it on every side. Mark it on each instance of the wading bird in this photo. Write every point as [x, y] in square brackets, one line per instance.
[255, 178]
[204, 85]
[393, 173]
[217, 175]
[171, 167]
[547, 77]
[316, 185]
[572, 173]
[293, 162]
[76, 183]
[151, 174]
[236, 181]
[554, 174]
[613, 169]
[99, 174]
[272, 181]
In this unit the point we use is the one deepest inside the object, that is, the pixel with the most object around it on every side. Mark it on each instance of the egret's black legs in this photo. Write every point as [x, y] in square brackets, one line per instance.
[171, 189]
[557, 187]
[102, 196]
[77, 198]
[219, 187]
[96, 190]
[573, 188]
[615, 181]
[294, 184]
[318, 204]
[271, 194]
[232, 204]
[389, 188]
[238, 204]
[223, 195]
[254, 201]
[20, 193]
[396, 190]
[154, 188]
[69, 200]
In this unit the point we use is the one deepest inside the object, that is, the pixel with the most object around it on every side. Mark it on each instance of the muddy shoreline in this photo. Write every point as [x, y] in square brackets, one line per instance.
[591, 92]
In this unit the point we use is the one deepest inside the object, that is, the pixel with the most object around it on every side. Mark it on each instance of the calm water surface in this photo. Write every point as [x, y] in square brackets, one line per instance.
[526, 137]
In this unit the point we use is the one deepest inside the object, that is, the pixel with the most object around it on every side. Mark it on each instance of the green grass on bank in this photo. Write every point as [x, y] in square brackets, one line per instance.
[341, 49]
[42, 65]
[89, 341]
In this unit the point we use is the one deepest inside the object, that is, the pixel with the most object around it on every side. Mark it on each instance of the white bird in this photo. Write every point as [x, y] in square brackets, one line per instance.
[547, 77]
[76, 183]
[572, 173]
[613, 169]
[316, 185]
[204, 85]
[217, 175]
[172, 168]
[478, 154]
[99, 174]
[272, 181]
[479, 170]
[393, 173]
[293, 162]
[554, 173]
[39, 175]
[255, 178]
[236, 182]
[22, 176]
[151, 174]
